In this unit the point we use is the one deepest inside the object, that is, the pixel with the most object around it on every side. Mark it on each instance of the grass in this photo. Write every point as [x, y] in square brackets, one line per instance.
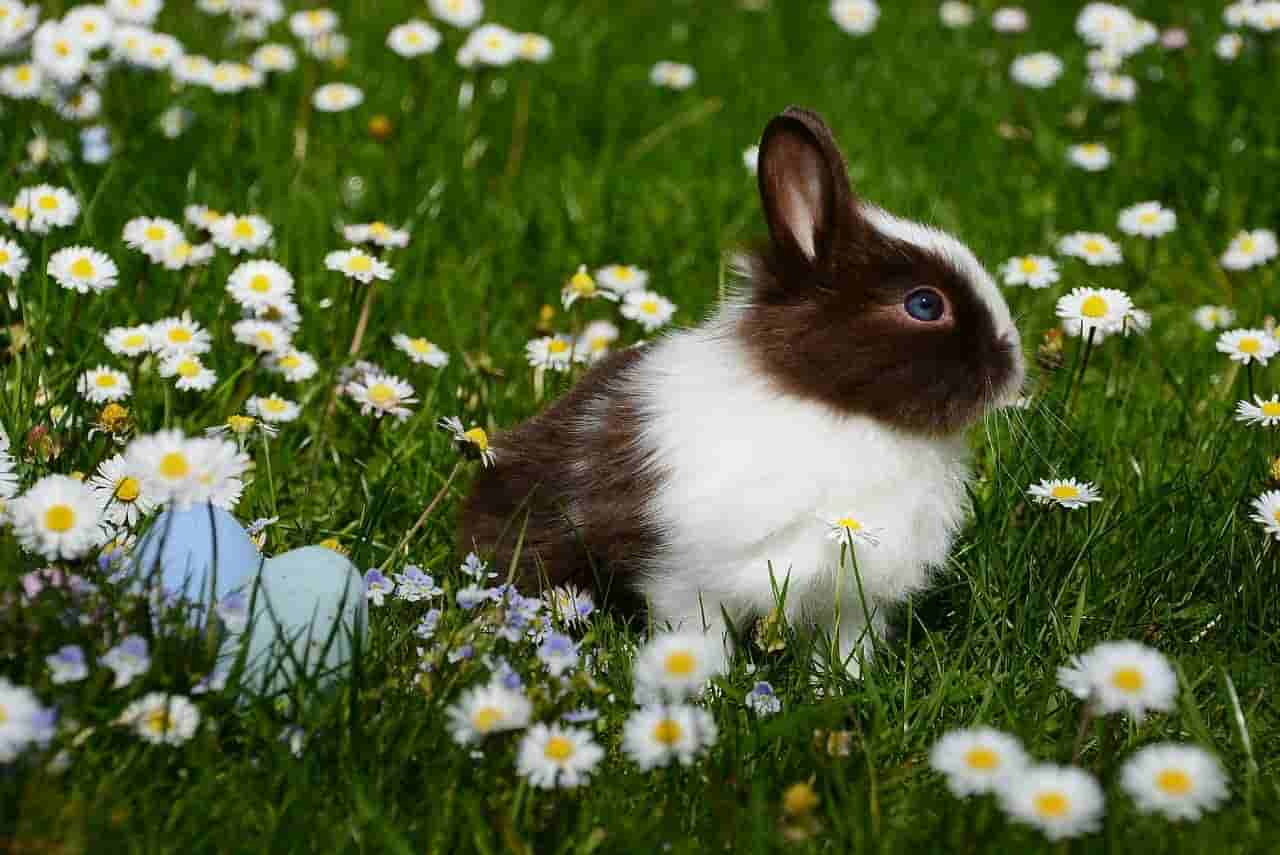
[582, 161]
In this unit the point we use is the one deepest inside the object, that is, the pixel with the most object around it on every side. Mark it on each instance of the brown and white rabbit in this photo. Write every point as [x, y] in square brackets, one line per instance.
[837, 384]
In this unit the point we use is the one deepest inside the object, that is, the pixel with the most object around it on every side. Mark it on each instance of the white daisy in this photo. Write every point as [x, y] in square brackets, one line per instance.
[672, 75]
[1247, 346]
[1095, 249]
[58, 518]
[1148, 219]
[128, 341]
[382, 395]
[42, 208]
[270, 58]
[1263, 16]
[83, 269]
[202, 217]
[1009, 19]
[534, 47]
[1094, 311]
[357, 264]
[955, 15]
[102, 384]
[977, 760]
[490, 44]
[186, 471]
[1034, 271]
[13, 261]
[672, 666]
[473, 441]
[273, 409]
[58, 52]
[1210, 318]
[463, 14]
[649, 308]
[582, 287]
[621, 278]
[151, 236]
[239, 233]
[1113, 87]
[484, 710]
[162, 719]
[295, 365]
[23, 721]
[140, 12]
[659, 734]
[1036, 70]
[21, 81]
[337, 97]
[1121, 676]
[120, 492]
[1228, 46]
[1266, 512]
[846, 527]
[262, 336]
[311, 23]
[259, 284]
[413, 38]
[1065, 493]
[1259, 412]
[90, 26]
[856, 17]
[377, 233]
[751, 158]
[557, 756]
[555, 353]
[1060, 801]
[421, 351]
[1182, 782]
[1250, 249]
[179, 335]
[191, 372]
[594, 342]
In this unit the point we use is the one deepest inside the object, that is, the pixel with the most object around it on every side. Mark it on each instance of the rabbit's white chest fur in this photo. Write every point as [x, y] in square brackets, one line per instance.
[753, 477]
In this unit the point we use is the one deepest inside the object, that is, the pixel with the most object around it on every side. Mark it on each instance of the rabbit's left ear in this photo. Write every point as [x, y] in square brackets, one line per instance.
[804, 187]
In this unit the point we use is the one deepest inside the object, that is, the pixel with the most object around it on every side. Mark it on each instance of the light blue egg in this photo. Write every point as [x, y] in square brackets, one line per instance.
[308, 605]
[195, 552]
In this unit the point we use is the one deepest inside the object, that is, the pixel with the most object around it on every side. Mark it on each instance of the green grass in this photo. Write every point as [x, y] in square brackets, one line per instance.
[582, 161]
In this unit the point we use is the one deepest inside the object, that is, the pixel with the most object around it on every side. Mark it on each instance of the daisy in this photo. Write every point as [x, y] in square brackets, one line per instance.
[262, 336]
[677, 665]
[1263, 16]
[1182, 782]
[555, 756]
[312, 23]
[151, 236]
[359, 265]
[377, 233]
[463, 14]
[421, 351]
[295, 365]
[672, 75]
[382, 395]
[955, 15]
[193, 375]
[1259, 412]
[21, 81]
[977, 760]
[1065, 493]
[102, 384]
[1036, 70]
[169, 466]
[555, 353]
[162, 719]
[845, 528]
[180, 335]
[337, 97]
[140, 12]
[413, 38]
[1094, 311]
[1113, 87]
[582, 287]
[487, 709]
[751, 158]
[274, 58]
[239, 233]
[202, 217]
[23, 721]
[58, 52]
[534, 47]
[1247, 346]
[67, 665]
[1266, 511]
[649, 308]
[83, 269]
[1210, 318]
[1121, 676]
[272, 409]
[120, 493]
[657, 735]
[595, 341]
[259, 284]
[472, 442]
[1250, 249]
[1060, 801]
[58, 518]
[1097, 250]
[1009, 19]
[856, 17]
[491, 44]
[42, 208]
[621, 278]
[157, 52]
[1229, 46]
[13, 261]
[1034, 271]
[1148, 219]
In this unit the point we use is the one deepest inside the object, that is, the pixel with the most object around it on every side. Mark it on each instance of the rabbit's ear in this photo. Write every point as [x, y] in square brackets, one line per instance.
[804, 187]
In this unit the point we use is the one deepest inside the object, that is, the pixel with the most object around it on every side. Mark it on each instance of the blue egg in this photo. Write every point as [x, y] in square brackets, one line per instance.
[309, 603]
[197, 552]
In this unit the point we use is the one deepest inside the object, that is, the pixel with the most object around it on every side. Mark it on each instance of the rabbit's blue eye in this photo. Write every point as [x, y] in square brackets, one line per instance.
[924, 304]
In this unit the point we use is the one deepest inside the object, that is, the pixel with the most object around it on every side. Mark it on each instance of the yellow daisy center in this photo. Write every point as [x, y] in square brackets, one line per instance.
[849, 524]
[1064, 491]
[558, 749]
[557, 346]
[649, 307]
[1148, 217]
[1249, 345]
[82, 268]
[128, 489]
[23, 73]
[174, 465]
[158, 721]
[105, 381]
[667, 731]
[291, 361]
[599, 344]
[240, 424]
[4, 257]
[486, 718]
[493, 42]
[1248, 245]
[155, 233]
[275, 405]
[680, 663]
[421, 345]
[179, 335]
[243, 229]
[22, 212]
[1093, 247]
[1271, 409]
[382, 395]
[189, 368]
[265, 338]
[62, 48]
[181, 251]
[477, 437]
[1052, 804]
[1127, 679]
[413, 37]
[378, 228]
[1029, 265]
[260, 283]
[1093, 307]
[59, 518]
[582, 283]
[360, 263]
[135, 340]
[983, 759]
[1175, 782]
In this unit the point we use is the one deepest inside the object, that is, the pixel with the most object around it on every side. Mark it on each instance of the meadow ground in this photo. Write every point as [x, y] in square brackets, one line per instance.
[582, 160]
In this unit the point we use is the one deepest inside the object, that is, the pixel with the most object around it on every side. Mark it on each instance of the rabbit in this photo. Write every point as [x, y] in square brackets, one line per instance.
[691, 474]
